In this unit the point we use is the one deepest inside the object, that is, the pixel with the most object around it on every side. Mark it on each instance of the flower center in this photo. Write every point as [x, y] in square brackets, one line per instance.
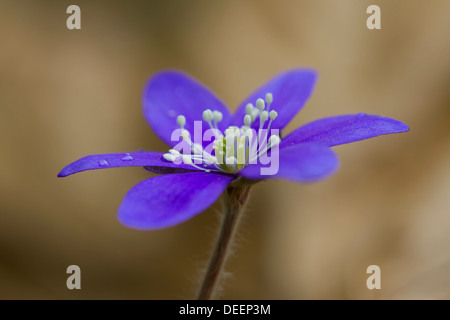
[237, 147]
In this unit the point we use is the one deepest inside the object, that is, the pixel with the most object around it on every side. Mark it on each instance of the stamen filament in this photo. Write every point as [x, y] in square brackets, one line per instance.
[237, 147]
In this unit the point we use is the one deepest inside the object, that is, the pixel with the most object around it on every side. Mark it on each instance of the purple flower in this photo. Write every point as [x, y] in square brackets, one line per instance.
[192, 181]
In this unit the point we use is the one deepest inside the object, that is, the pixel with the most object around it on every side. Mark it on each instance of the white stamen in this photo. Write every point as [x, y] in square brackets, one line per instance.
[269, 98]
[273, 115]
[181, 121]
[260, 105]
[262, 119]
[185, 135]
[168, 157]
[247, 120]
[249, 108]
[274, 140]
[244, 129]
[212, 159]
[255, 114]
[187, 159]
[217, 116]
[207, 115]
[197, 148]
[264, 116]
[230, 160]
[234, 149]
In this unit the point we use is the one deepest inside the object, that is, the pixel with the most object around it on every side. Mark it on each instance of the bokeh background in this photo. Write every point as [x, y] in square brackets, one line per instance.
[66, 94]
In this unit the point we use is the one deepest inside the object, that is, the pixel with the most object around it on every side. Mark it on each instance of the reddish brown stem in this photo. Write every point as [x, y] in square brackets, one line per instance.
[235, 197]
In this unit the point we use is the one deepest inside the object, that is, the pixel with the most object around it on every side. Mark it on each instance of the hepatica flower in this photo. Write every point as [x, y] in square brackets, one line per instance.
[212, 148]
[213, 152]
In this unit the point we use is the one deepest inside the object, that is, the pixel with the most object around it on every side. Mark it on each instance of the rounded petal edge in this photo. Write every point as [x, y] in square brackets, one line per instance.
[337, 130]
[290, 90]
[171, 93]
[168, 200]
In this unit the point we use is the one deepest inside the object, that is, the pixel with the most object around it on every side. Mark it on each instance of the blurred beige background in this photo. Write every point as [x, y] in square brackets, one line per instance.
[66, 94]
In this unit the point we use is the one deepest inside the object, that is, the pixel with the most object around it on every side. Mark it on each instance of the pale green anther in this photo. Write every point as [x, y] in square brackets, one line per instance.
[217, 116]
[168, 157]
[255, 114]
[247, 120]
[274, 140]
[185, 134]
[181, 121]
[231, 130]
[249, 108]
[269, 98]
[207, 115]
[264, 116]
[260, 105]
[273, 114]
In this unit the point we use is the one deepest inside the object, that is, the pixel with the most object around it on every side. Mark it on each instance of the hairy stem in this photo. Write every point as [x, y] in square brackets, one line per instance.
[235, 197]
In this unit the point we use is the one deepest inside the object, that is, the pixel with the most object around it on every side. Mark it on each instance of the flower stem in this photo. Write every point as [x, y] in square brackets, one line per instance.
[235, 197]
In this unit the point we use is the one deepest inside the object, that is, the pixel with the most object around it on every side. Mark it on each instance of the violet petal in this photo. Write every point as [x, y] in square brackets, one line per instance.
[300, 163]
[167, 200]
[171, 93]
[343, 129]
[290, 91]
[114, 160]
